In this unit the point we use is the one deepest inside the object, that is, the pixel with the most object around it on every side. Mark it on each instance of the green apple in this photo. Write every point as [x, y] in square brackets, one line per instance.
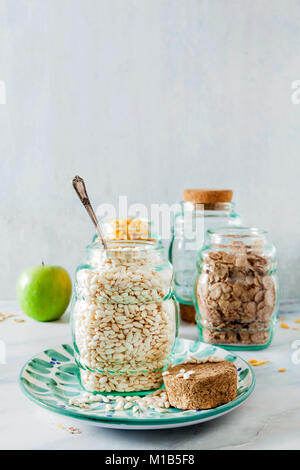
[44, 292]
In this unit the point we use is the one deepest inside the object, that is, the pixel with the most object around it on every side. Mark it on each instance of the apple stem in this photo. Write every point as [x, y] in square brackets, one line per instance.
[43, 264]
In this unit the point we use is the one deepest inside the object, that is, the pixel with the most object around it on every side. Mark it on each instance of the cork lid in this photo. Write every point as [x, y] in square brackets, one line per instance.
[207, 195]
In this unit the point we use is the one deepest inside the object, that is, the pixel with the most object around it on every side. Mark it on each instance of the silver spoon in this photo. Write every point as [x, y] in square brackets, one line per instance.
[80, 189]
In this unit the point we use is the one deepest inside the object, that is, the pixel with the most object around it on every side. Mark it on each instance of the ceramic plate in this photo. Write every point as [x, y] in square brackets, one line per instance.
[50, 379]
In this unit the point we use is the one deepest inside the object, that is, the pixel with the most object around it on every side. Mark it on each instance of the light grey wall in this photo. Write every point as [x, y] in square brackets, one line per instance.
[144, 98]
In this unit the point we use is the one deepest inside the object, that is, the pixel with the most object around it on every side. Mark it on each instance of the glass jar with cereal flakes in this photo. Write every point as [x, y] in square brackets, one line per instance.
[128, 229]
[202, 209]
[236, 291]
[124, 317]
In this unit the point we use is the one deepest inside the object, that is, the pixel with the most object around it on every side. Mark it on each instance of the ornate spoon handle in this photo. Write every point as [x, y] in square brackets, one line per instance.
[80, 189]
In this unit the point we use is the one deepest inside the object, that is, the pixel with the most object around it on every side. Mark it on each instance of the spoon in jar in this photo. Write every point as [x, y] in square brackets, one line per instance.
[80, 189]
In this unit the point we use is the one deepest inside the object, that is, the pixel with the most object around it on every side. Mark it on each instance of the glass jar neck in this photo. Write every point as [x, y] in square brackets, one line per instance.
[243, 245]
[124, 251]
[238, 237]
[196, 207]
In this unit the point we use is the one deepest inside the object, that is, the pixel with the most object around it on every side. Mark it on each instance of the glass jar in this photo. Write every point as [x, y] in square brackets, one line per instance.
[124, 317]
[236, 291]
[201, 210]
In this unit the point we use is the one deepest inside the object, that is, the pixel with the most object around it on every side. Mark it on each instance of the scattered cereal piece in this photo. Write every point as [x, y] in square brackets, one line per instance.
[119, 406]
[255, 362]
[128, 405]
[19, 320]
[157, 400]
[187, 374]
[157, 392]
[4, 316]
[282, 319]
[297, 320]
[73, 430]
[295, 329]
[70, 429]
[284, 325]
[282, 369]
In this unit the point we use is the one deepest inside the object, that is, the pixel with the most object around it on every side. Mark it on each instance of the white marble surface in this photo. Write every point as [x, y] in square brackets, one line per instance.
[270, 419]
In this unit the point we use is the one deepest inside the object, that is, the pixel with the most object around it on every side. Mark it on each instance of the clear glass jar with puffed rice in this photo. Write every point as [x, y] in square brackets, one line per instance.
[124, 317]
[236, 292]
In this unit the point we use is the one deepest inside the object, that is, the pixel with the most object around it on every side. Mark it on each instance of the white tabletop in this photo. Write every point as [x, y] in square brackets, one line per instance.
[269, 419]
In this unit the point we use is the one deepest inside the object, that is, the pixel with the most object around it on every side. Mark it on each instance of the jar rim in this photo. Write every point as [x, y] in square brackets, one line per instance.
[126, 245]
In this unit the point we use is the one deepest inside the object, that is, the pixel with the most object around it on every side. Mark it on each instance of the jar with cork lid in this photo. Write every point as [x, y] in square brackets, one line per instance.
[201, 210]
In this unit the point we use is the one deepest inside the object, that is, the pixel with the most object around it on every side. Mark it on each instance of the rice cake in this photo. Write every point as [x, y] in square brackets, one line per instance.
[201, 386]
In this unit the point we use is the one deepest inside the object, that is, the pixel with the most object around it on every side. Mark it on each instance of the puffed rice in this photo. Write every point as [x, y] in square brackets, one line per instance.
[157, 401]
[124, 330]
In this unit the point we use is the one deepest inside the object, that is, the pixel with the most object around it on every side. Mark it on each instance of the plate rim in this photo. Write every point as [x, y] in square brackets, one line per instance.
[212, 412]
[134, 427]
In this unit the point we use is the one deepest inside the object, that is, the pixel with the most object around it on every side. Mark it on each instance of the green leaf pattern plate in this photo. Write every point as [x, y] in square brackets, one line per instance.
[50, 380]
